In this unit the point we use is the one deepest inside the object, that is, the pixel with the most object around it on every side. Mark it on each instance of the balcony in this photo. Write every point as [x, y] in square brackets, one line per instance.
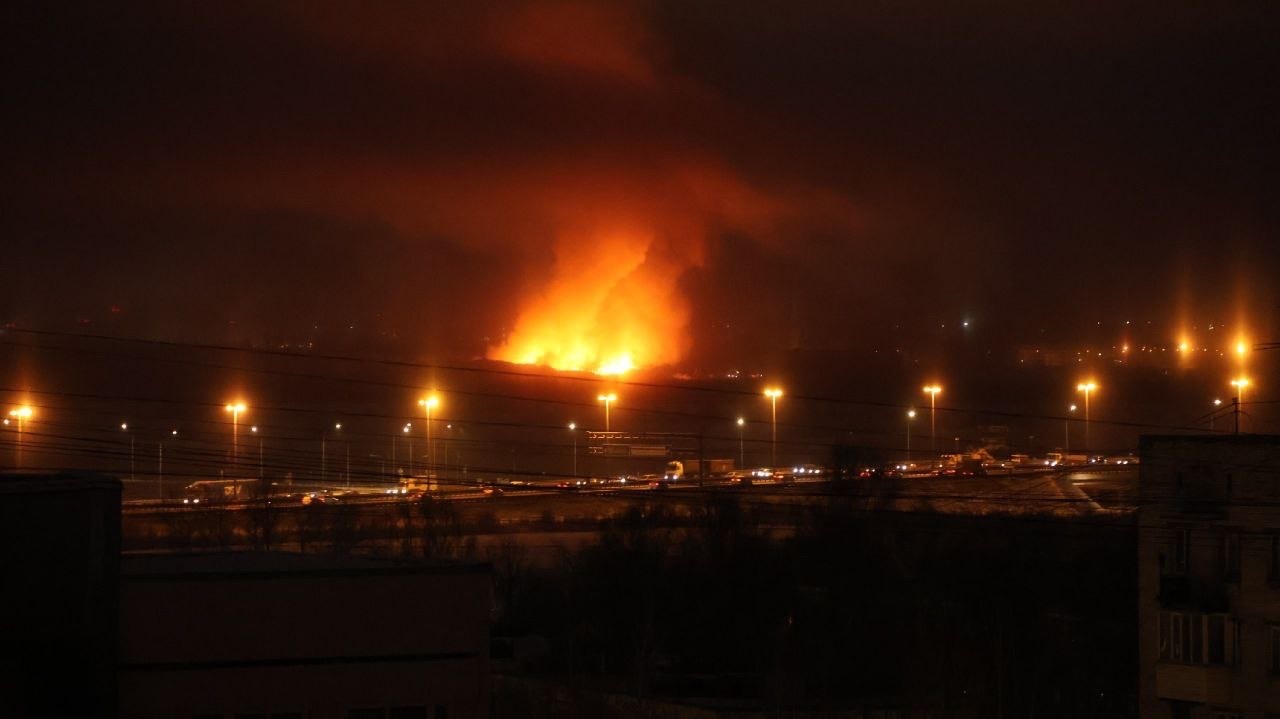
[1190, 683]
[1193, 594]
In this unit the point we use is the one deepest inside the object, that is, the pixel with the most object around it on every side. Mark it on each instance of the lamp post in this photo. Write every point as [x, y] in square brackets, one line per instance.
[254, 429]
[124, 427]
[160, 466]
[21, 415]
[1213, 415]
[429, 403]
[1239, 383]
[1087, 388]
[911, 414]
[452, 439]
[572, 433]
[408, 426]
[773, 393]
[235, 408]
[1066, 434]
[742, 461]
[933, 391]
[608, 399]
[324, 468]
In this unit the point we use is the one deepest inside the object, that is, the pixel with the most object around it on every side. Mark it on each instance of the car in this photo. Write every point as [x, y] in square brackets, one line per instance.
[659, 484]
[319, 498]
[806, 470]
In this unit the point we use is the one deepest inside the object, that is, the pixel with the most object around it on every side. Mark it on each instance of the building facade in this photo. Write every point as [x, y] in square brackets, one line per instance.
[273, 635]
[1209, 577]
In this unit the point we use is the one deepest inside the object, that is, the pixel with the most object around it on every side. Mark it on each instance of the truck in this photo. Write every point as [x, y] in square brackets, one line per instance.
[678, 469]
[208, 491]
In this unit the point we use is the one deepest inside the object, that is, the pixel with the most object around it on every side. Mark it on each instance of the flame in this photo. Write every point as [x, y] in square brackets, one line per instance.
[612, 305]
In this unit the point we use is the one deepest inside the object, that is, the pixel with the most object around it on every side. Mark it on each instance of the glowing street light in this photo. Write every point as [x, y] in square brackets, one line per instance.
[1088, 388]
[429, 403]
[608, 399]
[933, 391]
[1066, 433]
[254, 429]
[911, 414]
[742, 462]
[573, 432]
[160, 465]
[337, 427]
[1217, 403]
[407, 430]
[1239, 383]
[773, 393]
[124, 427]
[20, 415]
[236, 409]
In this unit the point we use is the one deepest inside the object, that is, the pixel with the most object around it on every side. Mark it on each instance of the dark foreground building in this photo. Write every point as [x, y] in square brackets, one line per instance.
[59, 562]
[293, 636]
[1209, 577]
[269, 635]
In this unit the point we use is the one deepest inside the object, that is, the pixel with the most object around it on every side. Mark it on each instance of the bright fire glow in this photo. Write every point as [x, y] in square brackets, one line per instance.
[613, 305]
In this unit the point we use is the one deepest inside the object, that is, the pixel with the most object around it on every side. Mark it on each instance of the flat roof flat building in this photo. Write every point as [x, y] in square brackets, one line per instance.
[291, 636]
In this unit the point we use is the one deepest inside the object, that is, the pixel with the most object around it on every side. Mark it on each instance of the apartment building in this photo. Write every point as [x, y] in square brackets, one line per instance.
[1209, 577]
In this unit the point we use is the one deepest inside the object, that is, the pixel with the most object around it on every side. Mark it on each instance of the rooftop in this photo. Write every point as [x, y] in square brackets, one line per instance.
[276, 564]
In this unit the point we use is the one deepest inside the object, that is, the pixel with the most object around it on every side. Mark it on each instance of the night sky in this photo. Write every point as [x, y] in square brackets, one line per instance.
[793, 174]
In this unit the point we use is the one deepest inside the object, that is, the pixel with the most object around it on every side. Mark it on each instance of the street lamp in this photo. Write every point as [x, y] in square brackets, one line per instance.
[933, 391]
[160, 465]
[773, 393]
[254, 429]
[573, 432]
[1087, 388]
[1066, 434]
[235, 408]
[324, 474]
[608, 399]
[1239, 384]
[124, 427]
[742, 461]
[409, 434]
[21, 415]
[429, 403]
[1213, 415]
[911, 414]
